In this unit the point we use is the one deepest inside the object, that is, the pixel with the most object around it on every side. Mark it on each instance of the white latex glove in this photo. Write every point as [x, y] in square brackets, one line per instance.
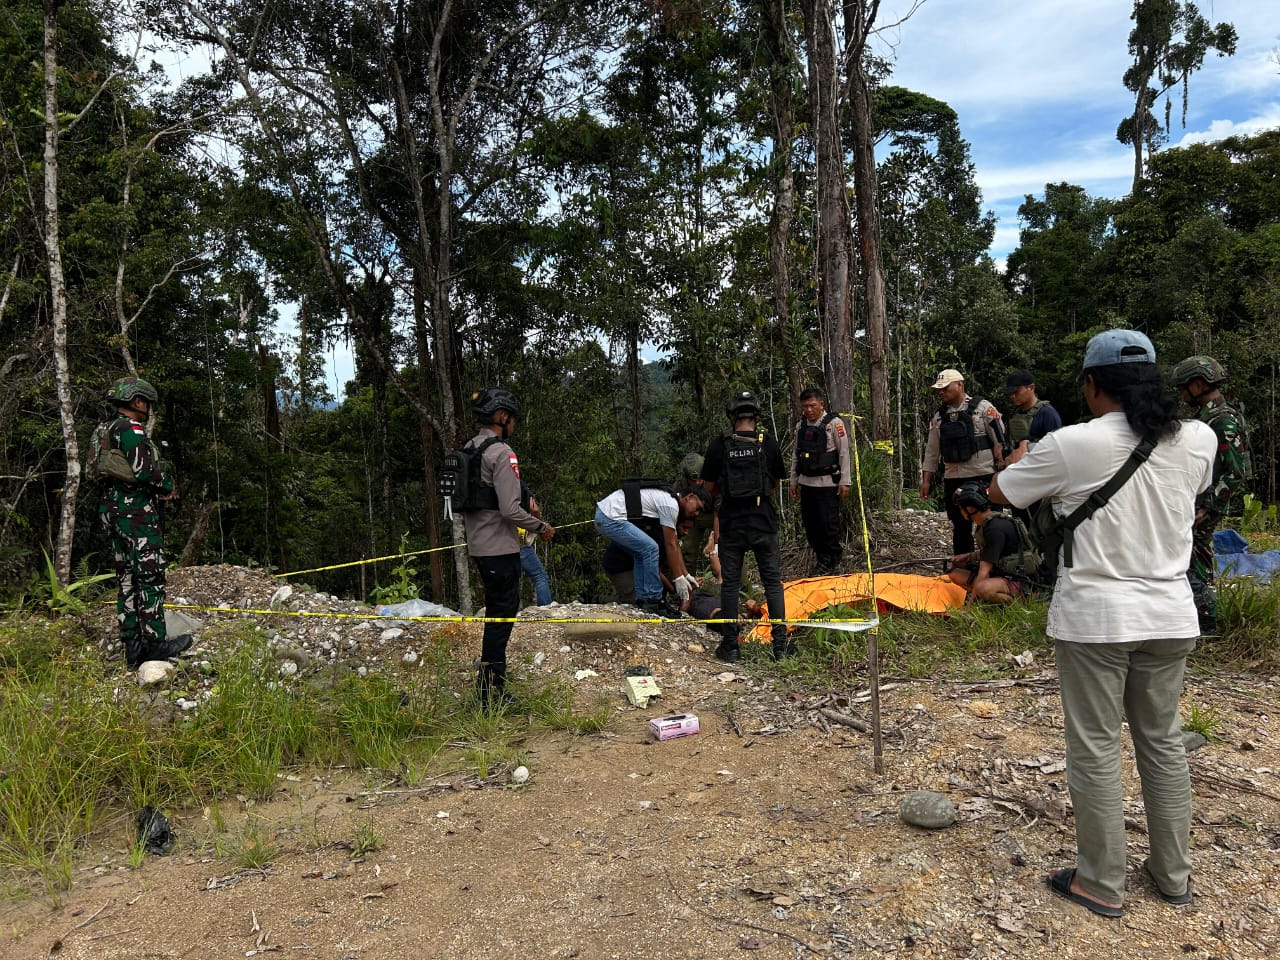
[683, 589]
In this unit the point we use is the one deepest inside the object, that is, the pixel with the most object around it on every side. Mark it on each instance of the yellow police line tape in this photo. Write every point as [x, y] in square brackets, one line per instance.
[397, 556]
[848, 625]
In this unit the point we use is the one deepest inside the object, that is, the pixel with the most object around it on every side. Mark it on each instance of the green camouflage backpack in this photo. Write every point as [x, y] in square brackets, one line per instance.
[106, 459]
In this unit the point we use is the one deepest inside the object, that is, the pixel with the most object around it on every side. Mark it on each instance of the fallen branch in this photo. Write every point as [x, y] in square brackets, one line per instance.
[835, 716]
[57, 944]
[1224, 782]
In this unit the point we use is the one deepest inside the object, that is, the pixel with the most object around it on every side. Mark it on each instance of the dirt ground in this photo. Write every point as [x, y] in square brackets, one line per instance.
[768, 832]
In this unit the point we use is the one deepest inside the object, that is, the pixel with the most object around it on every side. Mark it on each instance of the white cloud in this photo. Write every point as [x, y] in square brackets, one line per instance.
[988, 59]
[1091, 170]
[1221, 129]
[1006, 53]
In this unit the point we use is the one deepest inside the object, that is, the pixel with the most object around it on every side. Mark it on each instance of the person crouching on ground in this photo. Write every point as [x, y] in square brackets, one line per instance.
[1002, 567]
[659, 509]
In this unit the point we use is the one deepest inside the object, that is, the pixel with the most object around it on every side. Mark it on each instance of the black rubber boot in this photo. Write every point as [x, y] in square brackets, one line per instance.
[491, 683]
[784, 648]
[728, 651]
[134, 653]
[170, 648]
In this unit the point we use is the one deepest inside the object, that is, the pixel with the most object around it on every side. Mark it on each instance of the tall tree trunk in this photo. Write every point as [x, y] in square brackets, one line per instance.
[58, 299]
[782, 68]
[428, 437]
[1141, 108]
[835, 309]
[859, 19]
[199, 529]
[633, 387]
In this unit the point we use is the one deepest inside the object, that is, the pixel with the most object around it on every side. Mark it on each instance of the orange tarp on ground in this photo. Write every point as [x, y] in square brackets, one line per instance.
[895, 591]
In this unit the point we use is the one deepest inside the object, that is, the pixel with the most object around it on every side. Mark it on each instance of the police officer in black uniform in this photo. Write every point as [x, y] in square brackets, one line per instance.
[821, 477]
[743, 468]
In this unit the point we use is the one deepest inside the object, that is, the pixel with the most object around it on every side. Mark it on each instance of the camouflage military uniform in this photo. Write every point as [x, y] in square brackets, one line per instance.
[1231, 469]
[131, 516]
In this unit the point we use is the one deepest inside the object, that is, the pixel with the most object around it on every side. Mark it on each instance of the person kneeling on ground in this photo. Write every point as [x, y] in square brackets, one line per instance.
[1003, 566]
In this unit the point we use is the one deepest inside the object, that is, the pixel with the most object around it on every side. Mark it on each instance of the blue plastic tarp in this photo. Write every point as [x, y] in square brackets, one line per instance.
[1232, 559]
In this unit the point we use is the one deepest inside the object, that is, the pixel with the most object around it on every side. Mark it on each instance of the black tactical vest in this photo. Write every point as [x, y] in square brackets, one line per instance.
[958, 440]
[744, 467]
[813, 459]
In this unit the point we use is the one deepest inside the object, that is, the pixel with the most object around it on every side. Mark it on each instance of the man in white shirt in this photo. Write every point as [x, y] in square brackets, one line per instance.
[656, 509]
[1122, 616]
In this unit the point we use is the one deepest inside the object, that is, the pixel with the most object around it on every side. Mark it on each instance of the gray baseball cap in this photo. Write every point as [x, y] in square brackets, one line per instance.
[1118, 346]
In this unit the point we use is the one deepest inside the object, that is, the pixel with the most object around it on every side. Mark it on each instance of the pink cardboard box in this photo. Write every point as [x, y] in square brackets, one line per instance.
[676, 725]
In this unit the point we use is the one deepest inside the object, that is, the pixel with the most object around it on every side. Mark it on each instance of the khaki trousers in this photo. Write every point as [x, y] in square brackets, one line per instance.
[1102, 685]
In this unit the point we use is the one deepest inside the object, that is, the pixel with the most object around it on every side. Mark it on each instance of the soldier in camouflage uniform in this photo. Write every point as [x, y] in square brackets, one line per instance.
[1199, 378]
[127, 464]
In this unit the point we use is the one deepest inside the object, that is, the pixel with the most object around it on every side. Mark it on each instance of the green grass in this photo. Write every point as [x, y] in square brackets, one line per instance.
[974, 642]
[1205, 720]
[86, 748]
[1249, 622]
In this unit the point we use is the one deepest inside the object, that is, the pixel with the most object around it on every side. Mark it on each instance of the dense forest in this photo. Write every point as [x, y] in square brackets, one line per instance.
[536, 194]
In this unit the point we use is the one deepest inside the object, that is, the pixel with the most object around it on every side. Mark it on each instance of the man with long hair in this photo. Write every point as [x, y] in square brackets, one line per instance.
[1123, 618]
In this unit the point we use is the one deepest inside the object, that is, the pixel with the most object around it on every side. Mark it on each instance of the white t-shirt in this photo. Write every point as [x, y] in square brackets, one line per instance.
[653, 503]
[1129, 575]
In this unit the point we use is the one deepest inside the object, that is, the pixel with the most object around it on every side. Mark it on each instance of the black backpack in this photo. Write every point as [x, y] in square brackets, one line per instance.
[743, 475]
[631, 487]
[459, 483]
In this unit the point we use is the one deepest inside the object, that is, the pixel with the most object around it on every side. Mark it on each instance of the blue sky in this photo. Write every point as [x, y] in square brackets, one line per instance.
[1037, 86]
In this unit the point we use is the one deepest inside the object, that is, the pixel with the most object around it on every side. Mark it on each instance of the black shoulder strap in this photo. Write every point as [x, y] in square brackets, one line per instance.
[1099, 498]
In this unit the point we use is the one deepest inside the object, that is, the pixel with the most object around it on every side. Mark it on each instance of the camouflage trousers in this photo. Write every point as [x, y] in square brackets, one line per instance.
[136, 547]
[1201, 571]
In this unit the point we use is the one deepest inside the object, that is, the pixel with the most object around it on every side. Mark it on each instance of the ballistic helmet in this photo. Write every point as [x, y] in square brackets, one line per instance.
[126, 388]
[492, 399]
[691, 467]
[742, 403]
[1206, 368]
[971, 495]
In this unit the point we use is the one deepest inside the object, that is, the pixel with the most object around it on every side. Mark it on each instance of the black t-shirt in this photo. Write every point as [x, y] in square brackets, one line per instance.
[1000, 538]
[761, 515]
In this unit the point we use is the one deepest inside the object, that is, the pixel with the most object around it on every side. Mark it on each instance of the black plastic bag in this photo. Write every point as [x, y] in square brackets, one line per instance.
[154, 831]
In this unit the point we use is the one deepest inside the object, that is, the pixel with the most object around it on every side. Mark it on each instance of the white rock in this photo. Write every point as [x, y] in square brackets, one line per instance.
[520, 775]
[288, 668]
[391, 634]
[538, 658]
[282, 594]
[583, 674]
[565, 649]
[154, 672]
[410, 658]
[362, 671]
